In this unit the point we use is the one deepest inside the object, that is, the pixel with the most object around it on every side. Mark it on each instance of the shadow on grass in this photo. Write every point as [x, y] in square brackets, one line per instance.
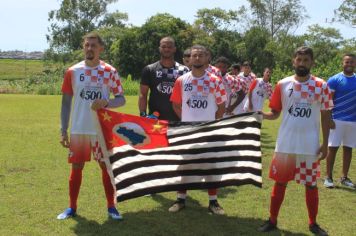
[193, 220]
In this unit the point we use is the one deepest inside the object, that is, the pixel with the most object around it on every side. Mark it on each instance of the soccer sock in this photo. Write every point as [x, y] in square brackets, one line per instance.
[213, 195]
[277, 197]
[109, 189]
[312, 200]
[75, 180]
[181, 195]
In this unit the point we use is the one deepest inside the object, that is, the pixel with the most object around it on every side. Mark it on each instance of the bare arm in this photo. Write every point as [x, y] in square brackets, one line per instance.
[240, 96]
[142, 98]
[325, 129]
[65, 116]
[118, 101]
[177, 109]
[250, 105]
[271, 115]
[221, 110]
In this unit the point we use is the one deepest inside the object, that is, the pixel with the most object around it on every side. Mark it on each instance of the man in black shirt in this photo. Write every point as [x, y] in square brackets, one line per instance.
[159, 78]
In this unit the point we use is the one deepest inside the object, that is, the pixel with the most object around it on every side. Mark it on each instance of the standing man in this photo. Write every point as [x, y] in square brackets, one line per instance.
[233, 85]
[89, 82]
[343, 126]
[198, 96]
[259, 91]
[238, 101]
[159, 78]
[303, 99]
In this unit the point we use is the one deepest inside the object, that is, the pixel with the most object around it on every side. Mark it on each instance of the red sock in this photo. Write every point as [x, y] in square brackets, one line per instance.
[312, 200]
[109, 189]
[277, 197]
[75, 180]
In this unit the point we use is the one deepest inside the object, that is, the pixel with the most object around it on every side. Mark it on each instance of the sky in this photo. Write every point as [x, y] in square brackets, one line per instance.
[24, 23]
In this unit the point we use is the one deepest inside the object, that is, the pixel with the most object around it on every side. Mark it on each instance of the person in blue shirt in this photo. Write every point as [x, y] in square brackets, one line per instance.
[343, 126]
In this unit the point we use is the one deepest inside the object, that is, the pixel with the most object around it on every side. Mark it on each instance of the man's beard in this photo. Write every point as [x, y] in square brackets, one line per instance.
[302, 71]
[198, 66]
[89, 56]
[348, 70]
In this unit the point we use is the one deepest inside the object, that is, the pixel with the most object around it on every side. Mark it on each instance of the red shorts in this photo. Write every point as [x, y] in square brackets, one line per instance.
[304, 169]
[81, 146]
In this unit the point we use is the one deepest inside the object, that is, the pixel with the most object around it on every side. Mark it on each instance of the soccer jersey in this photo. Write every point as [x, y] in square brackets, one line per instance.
[199, 96]
[86, 84]
[300, 104]
[344, 89]
[214, 70]
[161, 80]
[232, 85]
[260, 91]
[247, 79]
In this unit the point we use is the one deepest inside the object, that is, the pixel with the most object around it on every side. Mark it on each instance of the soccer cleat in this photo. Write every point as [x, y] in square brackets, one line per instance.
[215, 208]
[328, 182]
[114, 214]
[347, 182]
[315, 229]
[267, 226]
[69, 212]
[177, 206]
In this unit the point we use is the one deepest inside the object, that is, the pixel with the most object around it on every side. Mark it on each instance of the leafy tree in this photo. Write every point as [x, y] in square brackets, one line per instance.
[346, 12]
[277, 15]
[138, 47]
[254, 49]
[212, 20]
[75, 18]
[325, 42]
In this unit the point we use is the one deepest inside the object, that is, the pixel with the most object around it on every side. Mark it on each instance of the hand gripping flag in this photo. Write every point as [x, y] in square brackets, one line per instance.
[146, 156]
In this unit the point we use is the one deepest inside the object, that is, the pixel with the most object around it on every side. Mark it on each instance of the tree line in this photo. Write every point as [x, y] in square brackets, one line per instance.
[261, 33]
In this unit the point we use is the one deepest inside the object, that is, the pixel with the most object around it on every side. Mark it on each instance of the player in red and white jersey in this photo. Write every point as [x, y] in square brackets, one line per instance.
[198, 96]
[303, 100]
[234, 86]
[89, 83]
[238, 101]
[246, 74]
[210, 68]
[260, 90]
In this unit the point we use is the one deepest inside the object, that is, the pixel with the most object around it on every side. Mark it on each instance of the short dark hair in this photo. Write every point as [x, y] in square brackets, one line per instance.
[168, 39]
[199, 47]
[236, 66]
[223, 60]
[246, 63]
[304, 50]
[349, 55]
[186, 52]
[94, 35]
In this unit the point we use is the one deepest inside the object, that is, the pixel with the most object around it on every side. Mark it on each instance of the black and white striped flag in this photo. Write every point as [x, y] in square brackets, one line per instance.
[208, 155]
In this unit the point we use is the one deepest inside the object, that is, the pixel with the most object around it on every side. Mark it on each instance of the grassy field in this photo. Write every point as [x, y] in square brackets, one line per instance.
[13, 69]
[34, 188]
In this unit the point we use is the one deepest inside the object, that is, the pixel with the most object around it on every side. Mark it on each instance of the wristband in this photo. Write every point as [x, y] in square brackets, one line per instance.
[143, 113]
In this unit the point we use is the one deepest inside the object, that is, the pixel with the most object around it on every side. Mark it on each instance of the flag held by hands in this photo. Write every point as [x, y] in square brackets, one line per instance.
[146, 156]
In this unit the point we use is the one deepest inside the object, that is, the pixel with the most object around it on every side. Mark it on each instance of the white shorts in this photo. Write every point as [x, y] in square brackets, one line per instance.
[344, 134]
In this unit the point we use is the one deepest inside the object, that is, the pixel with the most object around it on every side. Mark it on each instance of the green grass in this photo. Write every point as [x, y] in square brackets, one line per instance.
[13, 69]
[34, 188]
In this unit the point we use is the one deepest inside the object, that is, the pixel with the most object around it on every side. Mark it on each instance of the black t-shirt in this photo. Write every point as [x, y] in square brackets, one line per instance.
[161, 80]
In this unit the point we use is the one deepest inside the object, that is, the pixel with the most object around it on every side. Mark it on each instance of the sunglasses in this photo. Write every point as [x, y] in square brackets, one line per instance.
[186, 55]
